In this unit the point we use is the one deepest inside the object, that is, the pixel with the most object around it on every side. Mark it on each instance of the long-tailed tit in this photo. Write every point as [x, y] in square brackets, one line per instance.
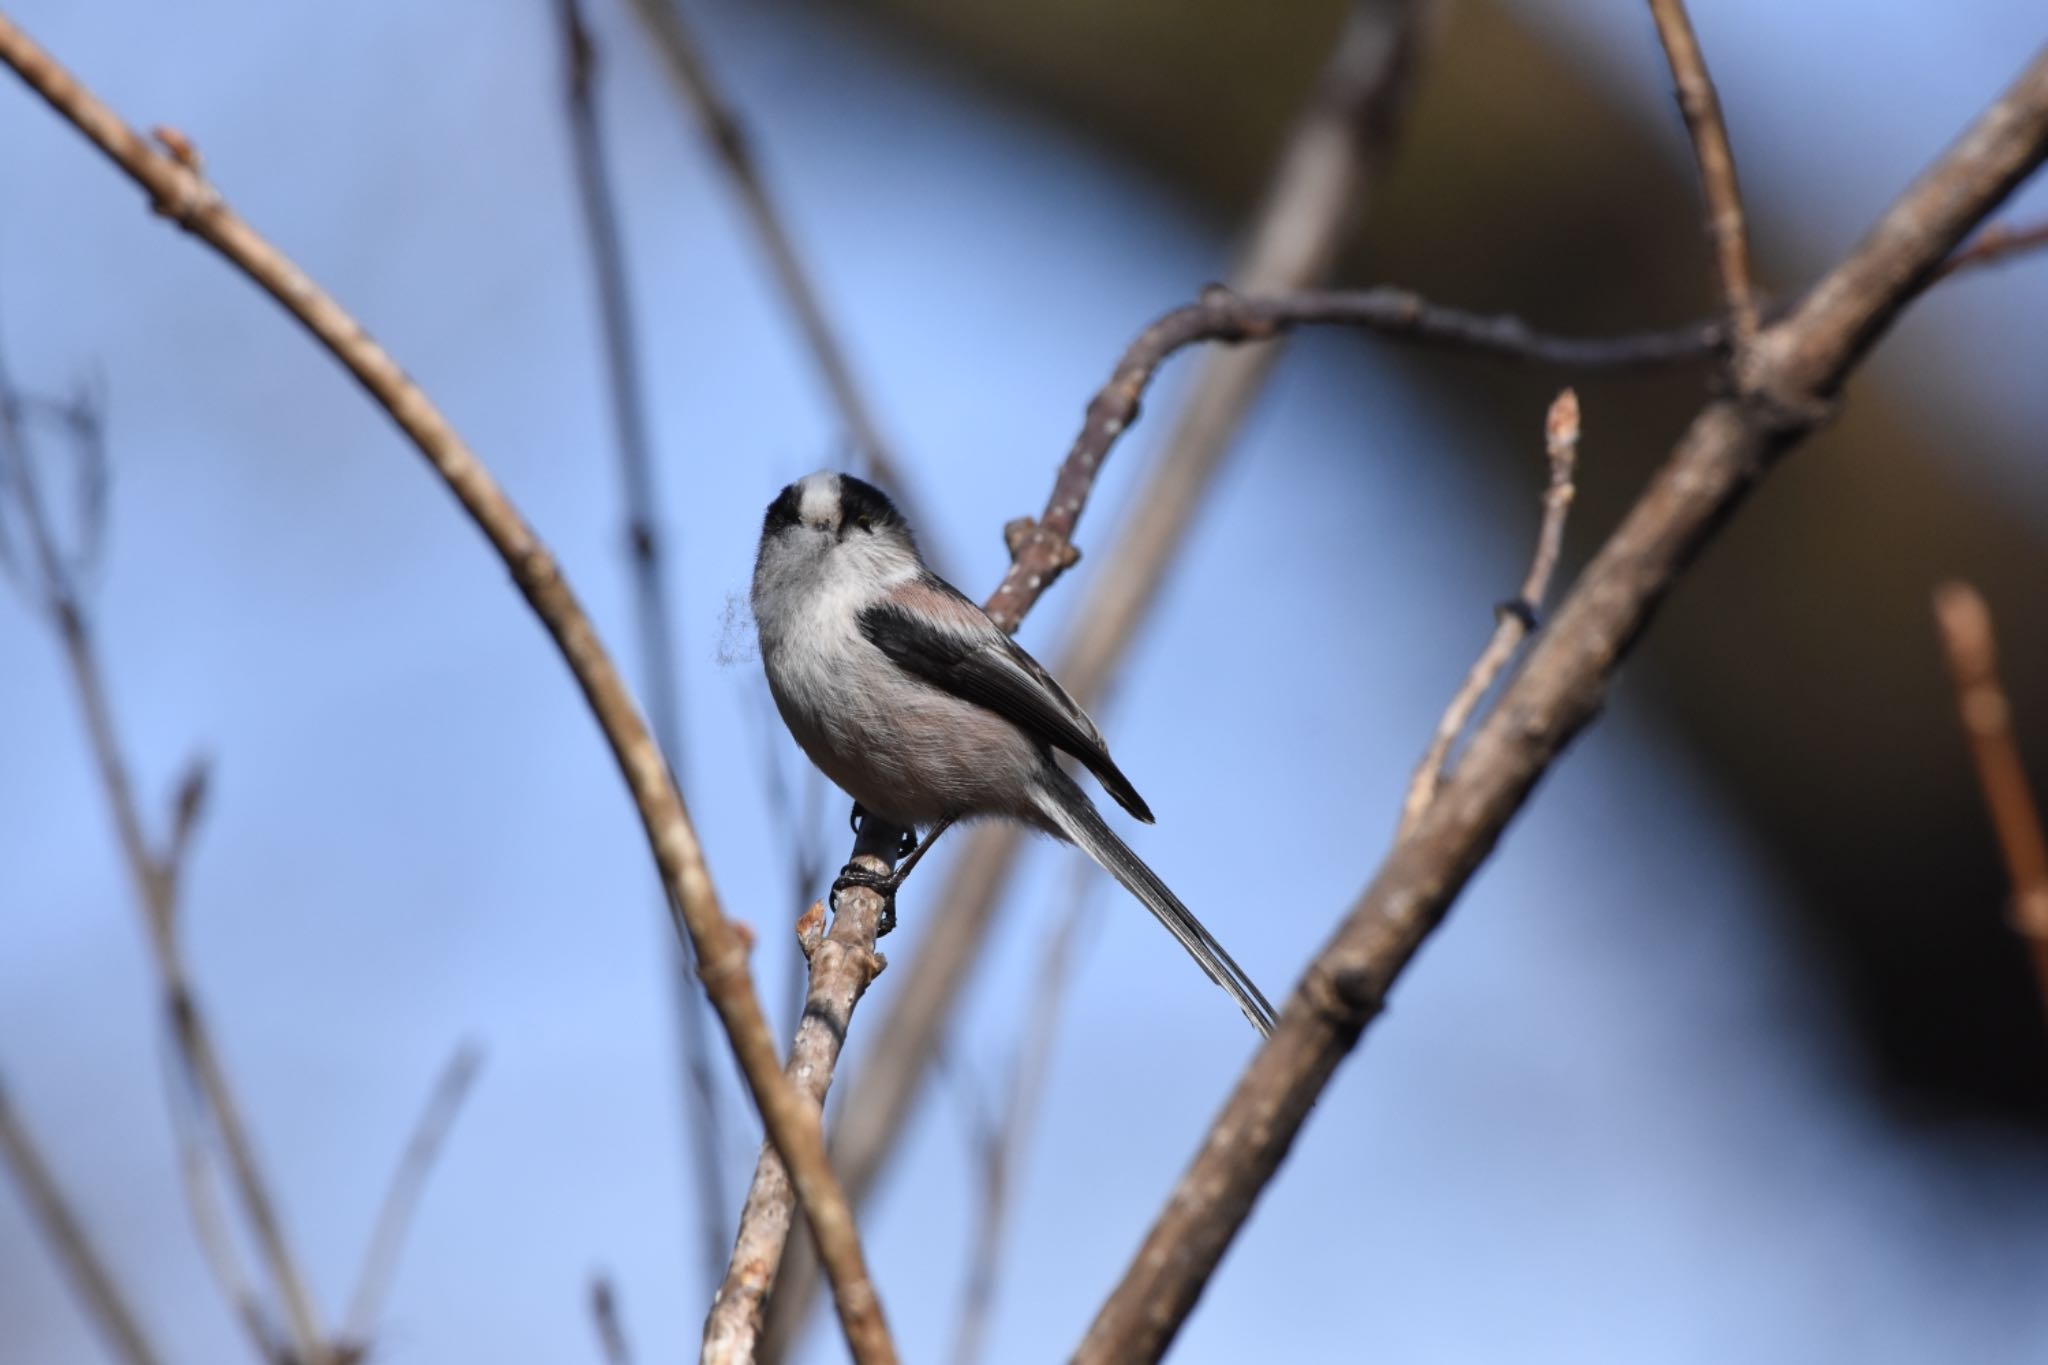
[905, 694]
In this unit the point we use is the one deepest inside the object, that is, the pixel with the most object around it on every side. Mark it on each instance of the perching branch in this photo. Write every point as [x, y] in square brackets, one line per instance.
[402, 1198]
[177, 190]
[1324, 174]
[1715, 159]
[1972, 652]
[1518, 618]
[49, 581]
[844, 964]
[653, 612]
[1796, 369]
[104, 1302]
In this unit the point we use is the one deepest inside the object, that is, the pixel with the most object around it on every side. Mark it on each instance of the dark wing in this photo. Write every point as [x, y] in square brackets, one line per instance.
[974, 661]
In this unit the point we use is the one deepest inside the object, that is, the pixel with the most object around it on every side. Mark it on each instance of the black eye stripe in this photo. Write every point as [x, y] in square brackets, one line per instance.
[782, 512]
[865, 505]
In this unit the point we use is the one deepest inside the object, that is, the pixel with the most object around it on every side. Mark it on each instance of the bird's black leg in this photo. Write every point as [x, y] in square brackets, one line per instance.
[886, 883]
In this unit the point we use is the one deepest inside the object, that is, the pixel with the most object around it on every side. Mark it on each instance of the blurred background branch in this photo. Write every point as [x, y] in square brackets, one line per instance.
[49, 576]
[717, 120]
[1971, 647]
[605, 1317]
[654, 612]
[99, 1293]
[402, 1199]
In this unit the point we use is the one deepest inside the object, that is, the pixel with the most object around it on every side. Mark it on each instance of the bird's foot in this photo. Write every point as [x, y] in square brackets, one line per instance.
[883, 884]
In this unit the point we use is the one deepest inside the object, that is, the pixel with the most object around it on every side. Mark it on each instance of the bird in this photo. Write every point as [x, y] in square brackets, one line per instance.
[909, 698]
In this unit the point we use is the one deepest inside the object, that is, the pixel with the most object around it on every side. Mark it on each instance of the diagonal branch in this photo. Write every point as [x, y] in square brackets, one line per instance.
[402, 1198]
[176, 189]
[1798, 367]
[653, 612]
[217, 1243]
[105, 1303]
[1701, 106]
[605, 1318]
[1972, 650]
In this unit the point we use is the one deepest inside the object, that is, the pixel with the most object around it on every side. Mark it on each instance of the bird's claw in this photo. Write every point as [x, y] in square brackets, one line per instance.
[883, 884]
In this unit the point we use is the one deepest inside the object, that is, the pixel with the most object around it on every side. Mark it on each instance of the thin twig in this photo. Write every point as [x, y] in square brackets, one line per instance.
[797, 819]
[196, 1172]
[1325, 171]
[728, 138]
[1517, 619]
[1799, 365]
[402, 1197]
[653, 613]
[1701, 106]
[1002, 1146]
[1972, 651]
[155, 875]
[176, 189]
[103, 1299]
[604, 1316]
[1994, 245]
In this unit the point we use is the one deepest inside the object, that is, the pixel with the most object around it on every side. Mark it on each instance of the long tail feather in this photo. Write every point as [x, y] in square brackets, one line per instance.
[1070, 811]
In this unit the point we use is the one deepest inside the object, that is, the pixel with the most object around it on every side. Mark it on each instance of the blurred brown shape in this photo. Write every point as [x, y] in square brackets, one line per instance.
[1972, 651]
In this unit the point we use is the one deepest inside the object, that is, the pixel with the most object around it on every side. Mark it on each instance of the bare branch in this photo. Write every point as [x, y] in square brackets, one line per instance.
[176, 190]
[103, 1299]
[1972, 651]
[1701, 106]
[727, 137]
[209, 1217]
[1518, 618]
[402, 1198]
[1797, 367]
[1324, 173]
[844, 964]
[653, 611]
